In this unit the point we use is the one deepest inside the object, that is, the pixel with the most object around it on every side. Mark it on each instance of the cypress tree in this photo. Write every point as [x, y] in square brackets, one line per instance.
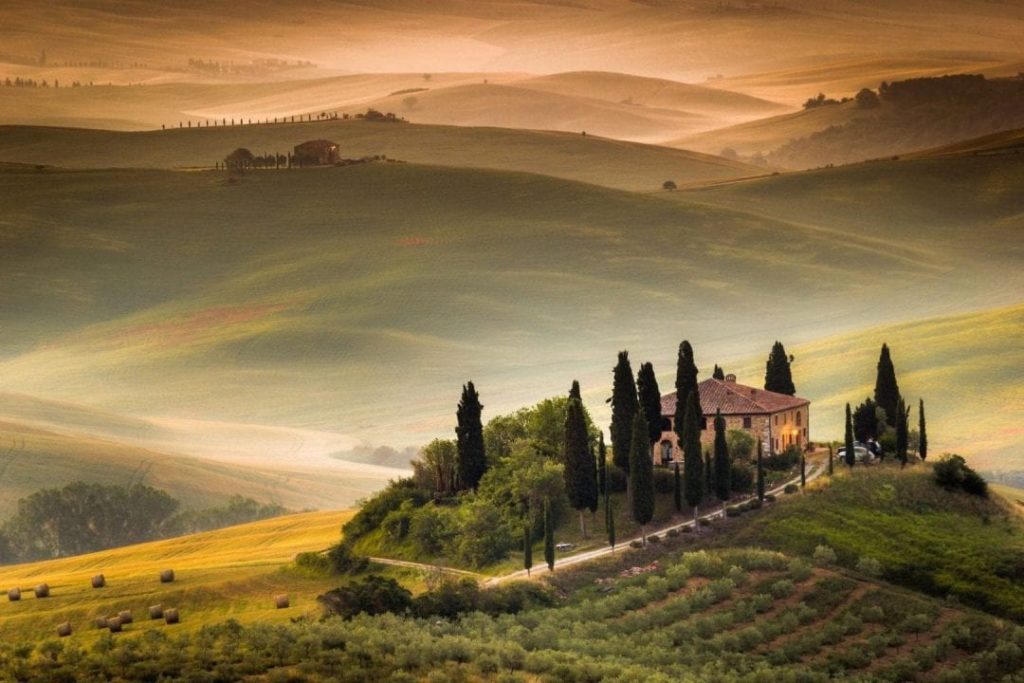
[574, 391]
[470, 438]
[624, 409]
[887, 391]
[527, 548]
[831, 459]
[693, 462]
[923, 447]
[709, 474]
[803, 470]
[723, 485]
[579, 472]
[677, 489]
[609, 519]
[851, 456]
[602, 465]
[778, 376]
[686, 383]
[760, 472]
[719, 373]
[641, 476]
[549, 537]
[649, 396]
[902, 432]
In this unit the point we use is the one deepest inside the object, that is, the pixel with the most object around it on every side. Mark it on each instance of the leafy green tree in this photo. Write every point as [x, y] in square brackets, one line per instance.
[866, 421]
[851, 455]
[902, 436]
[641, 476]
[693, 461]
[437, 468]
[549, 537]
[542, 424]
[718, 373]
[686, 384]
[723, 465]
[677, 489]
[624, 408]
[518, 484]
[922, 447]
[887, 391]
[470, 439]
[760, 471]
[527, 548]
[579, 468]
[778, 376]
[371, 595]
[740, 443]
[650, 400]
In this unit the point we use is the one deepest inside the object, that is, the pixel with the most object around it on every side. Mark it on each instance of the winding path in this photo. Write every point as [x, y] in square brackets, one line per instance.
[814, 471]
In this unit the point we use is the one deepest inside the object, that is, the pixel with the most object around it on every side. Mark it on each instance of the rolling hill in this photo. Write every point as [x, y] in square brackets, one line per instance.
[622, 165]
[301, 299]
[231, 573]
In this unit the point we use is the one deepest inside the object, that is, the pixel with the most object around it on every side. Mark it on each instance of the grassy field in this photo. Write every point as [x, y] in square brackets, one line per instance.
[612, 163]
[231, 573]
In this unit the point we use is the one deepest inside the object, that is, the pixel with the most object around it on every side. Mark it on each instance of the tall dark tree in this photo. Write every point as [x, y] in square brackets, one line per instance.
[851, 455]
[922, 448]
[803, 470]
[624, 409]
[602, 465]
[686, 383]
[723, 467]
[469, 433]
[902, 432]
[649, 396]
[579, 471]
[760, 471]
[778, 376]
[887, 391]
[641, 476]
[831, 460]
[719, 373]
[609, 519]
[549, 537]
[677, 489]
[527, 548]
[574, 391]
[865, 421]
[709, 474]
[693, 460]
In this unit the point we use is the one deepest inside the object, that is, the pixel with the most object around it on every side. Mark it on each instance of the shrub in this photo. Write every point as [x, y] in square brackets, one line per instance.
[704, 521]
[636, 544]
[790, 489]
[784, 460]
[869, 566]
[668, 185]
[664, 480]
[952, 473]
[733, 511]
[769, 498]
[341, 560]
[374, 510]
[824, 556]
[654, 538]
[742, 478]
[373, 595]
[672, 533]
[754, 504]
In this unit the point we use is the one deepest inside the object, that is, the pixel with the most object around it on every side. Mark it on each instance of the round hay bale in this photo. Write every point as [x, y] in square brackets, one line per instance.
[171, 616]
[114, 624]
[101, 622]
[14, 594]
[42, 591]
[125, 616]
[156, 611]
[99, 581]
[64, 630]
[281, 601]
[167, 576]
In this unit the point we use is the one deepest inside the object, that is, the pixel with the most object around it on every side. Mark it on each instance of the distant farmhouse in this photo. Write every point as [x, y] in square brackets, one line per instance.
[777, 420]
[316, 153]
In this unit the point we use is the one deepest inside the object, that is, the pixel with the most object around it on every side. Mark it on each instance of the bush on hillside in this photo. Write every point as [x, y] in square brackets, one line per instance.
[742, 478]
[374, 510]
[741, 444]
[372, 595]
[341, 560]
[824, 556]
[952, 473]
[783, 460]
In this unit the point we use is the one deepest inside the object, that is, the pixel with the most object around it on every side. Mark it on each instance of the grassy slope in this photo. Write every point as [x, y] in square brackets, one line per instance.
[612, 163]
[229, 573]
[924, 537]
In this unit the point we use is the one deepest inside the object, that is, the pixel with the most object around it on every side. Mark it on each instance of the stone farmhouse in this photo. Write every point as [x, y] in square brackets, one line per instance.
[777, 420]
[316, 153]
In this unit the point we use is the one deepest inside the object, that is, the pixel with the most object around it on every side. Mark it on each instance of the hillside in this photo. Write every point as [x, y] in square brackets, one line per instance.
[230, 573]
[904, 116]
[612, 163]
[350, 278]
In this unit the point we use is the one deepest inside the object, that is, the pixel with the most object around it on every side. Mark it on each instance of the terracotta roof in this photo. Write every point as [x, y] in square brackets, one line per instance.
[735, 399]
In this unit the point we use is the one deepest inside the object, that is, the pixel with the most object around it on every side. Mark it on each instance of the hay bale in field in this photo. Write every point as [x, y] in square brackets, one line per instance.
[281, 601]
[125, 616]
[101, 622]
[14, 594]
[114, 624]
[171, 616]
[156, 611]
[42, 591]
[99, 581]
[167, 576]
[64, 630]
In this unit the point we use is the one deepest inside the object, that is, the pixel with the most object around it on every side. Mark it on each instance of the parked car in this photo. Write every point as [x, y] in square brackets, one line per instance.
[562, 547]
[860, 454]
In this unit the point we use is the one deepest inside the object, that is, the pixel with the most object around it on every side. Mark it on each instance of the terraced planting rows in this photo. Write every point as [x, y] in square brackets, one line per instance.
[709, 616]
